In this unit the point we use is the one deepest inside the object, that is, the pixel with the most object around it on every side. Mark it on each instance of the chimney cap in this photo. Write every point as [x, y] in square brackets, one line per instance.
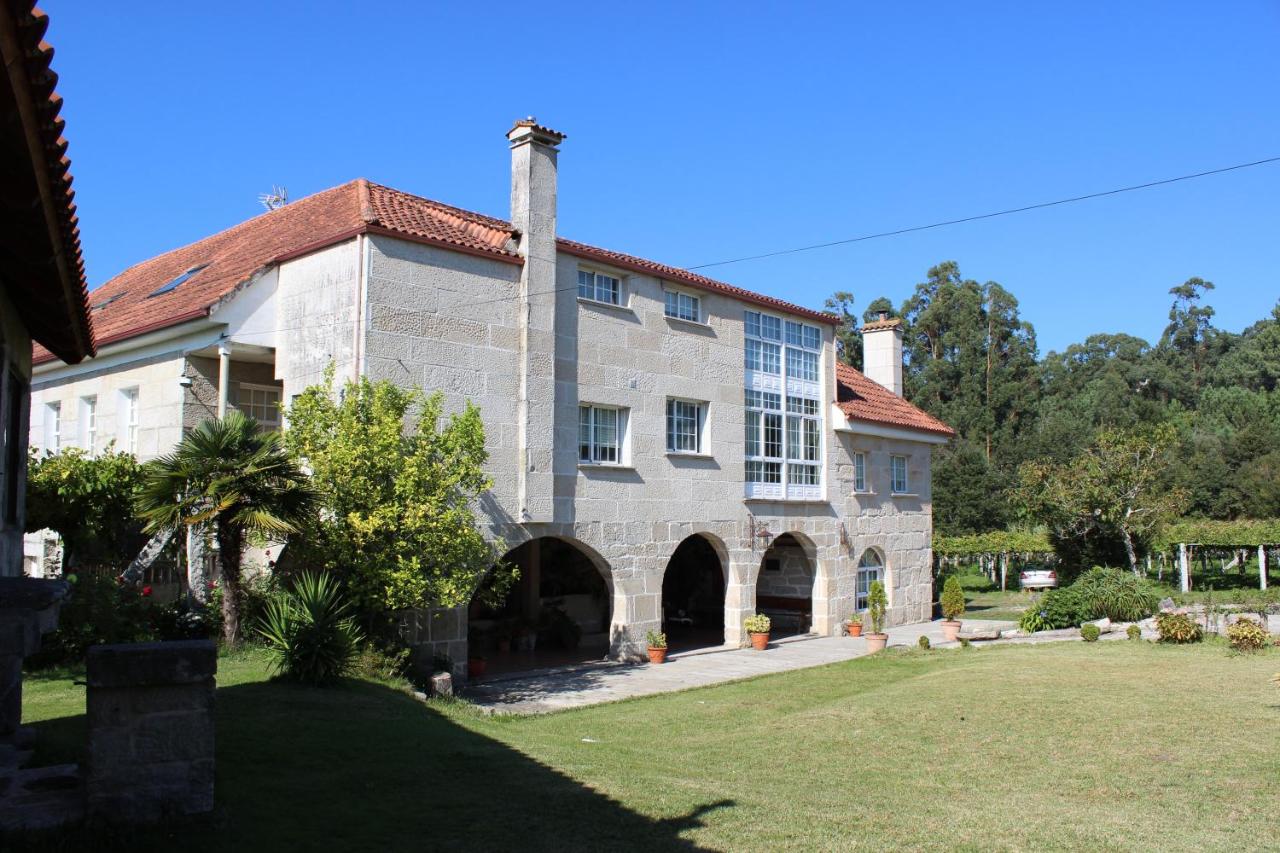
[885, 322]
[528, 130]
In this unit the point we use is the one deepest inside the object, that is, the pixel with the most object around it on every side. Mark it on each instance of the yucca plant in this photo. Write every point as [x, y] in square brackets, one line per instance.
[309, 631]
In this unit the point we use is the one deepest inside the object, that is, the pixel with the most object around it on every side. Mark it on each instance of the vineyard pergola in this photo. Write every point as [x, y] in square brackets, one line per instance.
[1243, 535]
[996, 545]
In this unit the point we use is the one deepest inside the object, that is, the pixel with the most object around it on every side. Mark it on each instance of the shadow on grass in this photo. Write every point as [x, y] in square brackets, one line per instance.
[367, 767]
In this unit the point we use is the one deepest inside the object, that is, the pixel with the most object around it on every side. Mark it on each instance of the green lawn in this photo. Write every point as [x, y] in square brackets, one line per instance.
[984, 599]
[1112, 745]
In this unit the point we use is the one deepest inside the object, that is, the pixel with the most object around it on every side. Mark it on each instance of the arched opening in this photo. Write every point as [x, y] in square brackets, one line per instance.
[693, 588]
[556, 613]
[784, 586]
[870, 569]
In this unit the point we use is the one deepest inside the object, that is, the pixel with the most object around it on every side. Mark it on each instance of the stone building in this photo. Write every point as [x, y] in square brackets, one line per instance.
[667, 449]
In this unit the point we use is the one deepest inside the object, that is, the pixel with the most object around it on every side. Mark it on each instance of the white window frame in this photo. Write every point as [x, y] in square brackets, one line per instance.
[592, 287]
[680, 311]
[247, 404]
[783, 358]
[89, 423]
[860, 473]
[128, 419]
[867, 574]
[897, 487]
[673, 419]
[591, 451]
[53, 426]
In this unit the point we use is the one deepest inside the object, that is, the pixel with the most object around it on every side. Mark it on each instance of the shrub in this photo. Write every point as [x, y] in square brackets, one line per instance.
[101, 609]
[309, 632]
[186, 619]
[1090, 633]
[952, 599]
[1033, 619]
[1177, 628]
[924, 643]
[379, 664]
[1062, 608]
[656, 640]
[757, 624]
[1115, 594]
[1247, 636]
[876, 604]
[1134, 632]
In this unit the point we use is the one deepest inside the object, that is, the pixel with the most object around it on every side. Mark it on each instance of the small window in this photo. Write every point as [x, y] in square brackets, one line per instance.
[601, 432]
[127, 417]
[762, 357]
[764, 472]
[898, 475]
[53, 427]
[802, 406]
[173, 284]
[686, 423]
[89, 423]
[98, 306]
[859, 472]
[682, 306]
[802, 364]
[763, 399]
[599, 287]
[262, 403]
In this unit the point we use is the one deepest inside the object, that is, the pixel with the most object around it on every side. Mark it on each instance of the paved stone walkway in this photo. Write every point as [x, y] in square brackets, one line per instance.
[556, 690]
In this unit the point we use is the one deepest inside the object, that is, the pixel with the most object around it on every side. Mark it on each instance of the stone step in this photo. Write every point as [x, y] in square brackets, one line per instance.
[42, 798]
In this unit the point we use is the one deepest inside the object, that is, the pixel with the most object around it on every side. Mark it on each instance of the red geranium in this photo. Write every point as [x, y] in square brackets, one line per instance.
[146, 591]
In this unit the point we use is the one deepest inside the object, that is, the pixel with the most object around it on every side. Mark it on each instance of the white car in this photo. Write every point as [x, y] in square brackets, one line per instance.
[1038, 579]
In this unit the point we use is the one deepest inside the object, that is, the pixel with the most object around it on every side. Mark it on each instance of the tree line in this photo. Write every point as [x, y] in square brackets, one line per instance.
[1188, 426]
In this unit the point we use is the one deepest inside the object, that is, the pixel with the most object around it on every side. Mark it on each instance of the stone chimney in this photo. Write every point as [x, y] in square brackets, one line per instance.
[882, 352]
[533, 216]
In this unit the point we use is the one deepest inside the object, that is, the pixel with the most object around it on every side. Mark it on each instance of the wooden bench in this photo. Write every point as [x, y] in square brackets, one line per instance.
[779, 608]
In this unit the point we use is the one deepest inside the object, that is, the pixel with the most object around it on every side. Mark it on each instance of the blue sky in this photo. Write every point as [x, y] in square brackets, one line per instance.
[701, 132]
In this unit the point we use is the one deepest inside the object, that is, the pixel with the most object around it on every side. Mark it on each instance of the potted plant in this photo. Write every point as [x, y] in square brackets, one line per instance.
[758, 627]
[853, 626]
[657, 647]
[876, 603]
[476, 666]
[952, 608]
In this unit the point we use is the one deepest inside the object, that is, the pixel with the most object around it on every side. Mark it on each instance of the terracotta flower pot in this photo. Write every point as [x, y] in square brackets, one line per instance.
[657, 655]
[760, 642]
[476, 667]
[855, 630]
[876, 642]
[950, 630]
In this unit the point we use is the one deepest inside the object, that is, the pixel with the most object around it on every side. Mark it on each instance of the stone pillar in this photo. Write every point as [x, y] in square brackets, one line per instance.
[740, 595]
[224, 378]
[1184, 568]
[28, 610]
[1262, 566]
[150, 710]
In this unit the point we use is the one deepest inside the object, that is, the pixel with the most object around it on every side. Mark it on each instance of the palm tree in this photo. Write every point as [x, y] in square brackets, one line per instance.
[235, 476]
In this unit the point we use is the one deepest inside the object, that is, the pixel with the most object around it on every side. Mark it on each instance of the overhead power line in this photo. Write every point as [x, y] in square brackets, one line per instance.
[963, 219]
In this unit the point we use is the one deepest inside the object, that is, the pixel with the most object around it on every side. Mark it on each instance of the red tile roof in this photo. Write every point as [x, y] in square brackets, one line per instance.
[864, 400]
[41, 211]
[232, 257]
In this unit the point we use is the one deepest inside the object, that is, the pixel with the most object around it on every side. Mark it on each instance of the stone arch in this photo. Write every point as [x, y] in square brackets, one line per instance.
[695, 582]
[789, 587]
[558, 610]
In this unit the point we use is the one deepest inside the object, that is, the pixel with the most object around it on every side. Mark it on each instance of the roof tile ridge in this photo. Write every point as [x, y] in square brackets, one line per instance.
[364, 202]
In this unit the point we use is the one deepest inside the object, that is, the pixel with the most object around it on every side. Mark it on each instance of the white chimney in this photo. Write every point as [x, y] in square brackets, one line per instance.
[533, 216]
[882, 352]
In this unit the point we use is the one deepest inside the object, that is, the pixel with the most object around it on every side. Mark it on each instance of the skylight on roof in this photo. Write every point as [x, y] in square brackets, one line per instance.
[172, 285]
[97, 306]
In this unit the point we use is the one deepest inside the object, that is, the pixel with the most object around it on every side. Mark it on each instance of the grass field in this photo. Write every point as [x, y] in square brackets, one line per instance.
[1112, 745]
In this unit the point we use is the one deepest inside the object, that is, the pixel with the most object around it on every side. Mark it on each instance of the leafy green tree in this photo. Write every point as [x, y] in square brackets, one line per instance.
[1190, 344]
[971, 359]
[88, 501]
[234, 476]
[397, 482]
[969, 493]
[1254, 361]
[849, 332]
[1111, 489]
